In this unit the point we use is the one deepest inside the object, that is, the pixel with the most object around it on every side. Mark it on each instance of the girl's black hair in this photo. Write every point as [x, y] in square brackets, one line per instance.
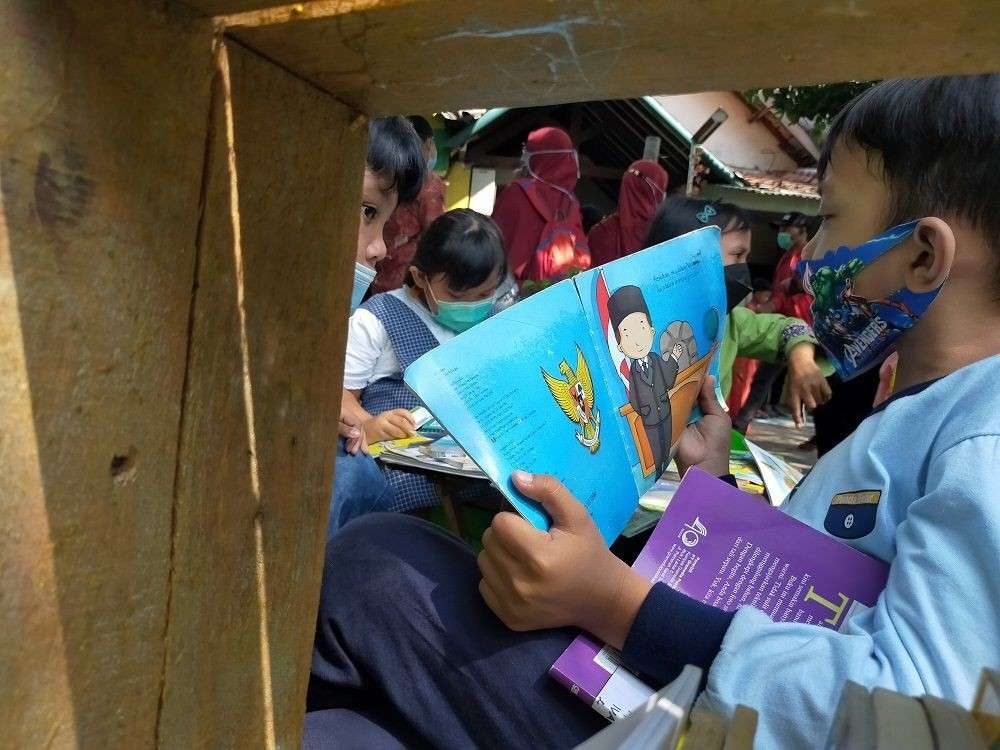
[423, 128]
[679, 215]
[939, 144]
[465, 246]
[394, 155]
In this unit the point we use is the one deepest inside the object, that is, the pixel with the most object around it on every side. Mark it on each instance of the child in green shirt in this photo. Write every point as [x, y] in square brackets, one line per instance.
[766, 336]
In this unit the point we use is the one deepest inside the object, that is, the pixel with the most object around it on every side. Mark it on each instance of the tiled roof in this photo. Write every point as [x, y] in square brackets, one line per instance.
[801, 182]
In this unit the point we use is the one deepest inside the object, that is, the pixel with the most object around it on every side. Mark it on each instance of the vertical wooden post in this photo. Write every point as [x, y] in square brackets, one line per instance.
[276, 254]
[173, 302]
[103, 112]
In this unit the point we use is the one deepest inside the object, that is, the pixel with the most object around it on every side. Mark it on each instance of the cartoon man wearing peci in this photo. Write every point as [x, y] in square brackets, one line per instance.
[650, 376]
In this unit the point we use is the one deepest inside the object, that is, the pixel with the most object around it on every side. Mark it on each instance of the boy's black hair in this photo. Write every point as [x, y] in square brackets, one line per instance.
[465, 246]
[939, 144]
[423, 128]
[394, 155]
[679, 215]
[761, 285]
[625, 301]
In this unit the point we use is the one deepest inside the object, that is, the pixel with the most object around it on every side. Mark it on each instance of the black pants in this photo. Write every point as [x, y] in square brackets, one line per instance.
[850, 403]
[408, 655]
[760, 393]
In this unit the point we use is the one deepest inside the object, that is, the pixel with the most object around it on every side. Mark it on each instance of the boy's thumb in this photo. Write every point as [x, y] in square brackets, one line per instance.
[566, 511]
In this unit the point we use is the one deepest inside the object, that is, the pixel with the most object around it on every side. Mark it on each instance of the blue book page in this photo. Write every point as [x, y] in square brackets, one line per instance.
[523, 390]
[658, 318]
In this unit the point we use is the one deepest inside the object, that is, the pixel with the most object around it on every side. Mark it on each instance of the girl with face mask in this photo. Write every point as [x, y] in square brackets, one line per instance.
[767, 337]
[451, 286]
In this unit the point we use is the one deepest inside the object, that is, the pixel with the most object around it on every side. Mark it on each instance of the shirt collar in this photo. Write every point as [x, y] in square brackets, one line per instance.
[911, 391]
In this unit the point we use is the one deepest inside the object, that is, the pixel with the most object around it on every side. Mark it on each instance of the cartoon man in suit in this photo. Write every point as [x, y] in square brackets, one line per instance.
[650, 376]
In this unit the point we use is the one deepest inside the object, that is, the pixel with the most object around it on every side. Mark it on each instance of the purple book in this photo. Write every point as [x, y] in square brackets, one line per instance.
[727, 548]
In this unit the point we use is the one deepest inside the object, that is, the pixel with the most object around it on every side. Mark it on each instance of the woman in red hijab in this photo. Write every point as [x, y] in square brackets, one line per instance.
[624, 232]
[538, 213]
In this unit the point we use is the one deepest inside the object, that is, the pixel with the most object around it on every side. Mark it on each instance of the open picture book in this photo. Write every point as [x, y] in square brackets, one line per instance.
[592, 380]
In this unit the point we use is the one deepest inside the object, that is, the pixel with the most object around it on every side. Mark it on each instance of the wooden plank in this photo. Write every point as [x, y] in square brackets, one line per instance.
[229, 7]
[420, 55]
[263, 387]
[103, 113]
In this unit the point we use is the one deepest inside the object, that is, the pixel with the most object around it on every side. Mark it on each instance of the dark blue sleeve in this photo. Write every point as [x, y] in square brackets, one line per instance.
[672, 630]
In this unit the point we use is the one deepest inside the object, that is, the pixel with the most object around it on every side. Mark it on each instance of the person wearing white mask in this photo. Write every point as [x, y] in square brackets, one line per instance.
[394, 171]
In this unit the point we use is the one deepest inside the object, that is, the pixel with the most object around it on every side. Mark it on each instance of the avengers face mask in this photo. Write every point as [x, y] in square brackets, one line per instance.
[738, 284]
[858, 333]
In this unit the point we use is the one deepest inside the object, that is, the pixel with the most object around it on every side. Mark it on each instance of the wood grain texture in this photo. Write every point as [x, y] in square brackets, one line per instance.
[392, 56]
[228, 7]
[276, 255]
[103, 112]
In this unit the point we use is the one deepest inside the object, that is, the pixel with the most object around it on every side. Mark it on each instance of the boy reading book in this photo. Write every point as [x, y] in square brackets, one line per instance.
[407, 652]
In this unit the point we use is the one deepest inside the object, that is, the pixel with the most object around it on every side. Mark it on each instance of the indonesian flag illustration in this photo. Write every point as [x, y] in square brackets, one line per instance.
[620, 360]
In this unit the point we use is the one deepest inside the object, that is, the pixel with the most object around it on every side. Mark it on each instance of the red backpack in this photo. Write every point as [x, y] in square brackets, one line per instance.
[562, 247]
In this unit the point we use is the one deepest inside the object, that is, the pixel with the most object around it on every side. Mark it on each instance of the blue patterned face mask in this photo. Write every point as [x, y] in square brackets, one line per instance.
[363, 278]
[858, 333]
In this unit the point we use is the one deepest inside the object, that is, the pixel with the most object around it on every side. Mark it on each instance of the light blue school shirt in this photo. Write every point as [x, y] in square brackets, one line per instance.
[934, 455]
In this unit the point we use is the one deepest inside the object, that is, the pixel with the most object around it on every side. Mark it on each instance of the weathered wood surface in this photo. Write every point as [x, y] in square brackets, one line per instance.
[276, 253]
[103, 111]
[422, 55]
[228, 7]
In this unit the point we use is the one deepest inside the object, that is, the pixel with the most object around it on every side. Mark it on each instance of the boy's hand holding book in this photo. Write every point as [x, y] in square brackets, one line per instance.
[566, 576]
[705, 443]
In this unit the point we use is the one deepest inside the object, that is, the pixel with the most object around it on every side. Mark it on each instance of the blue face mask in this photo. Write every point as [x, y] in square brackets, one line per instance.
[461, 316]
[859, 333]
[363, 278]
[785, 241]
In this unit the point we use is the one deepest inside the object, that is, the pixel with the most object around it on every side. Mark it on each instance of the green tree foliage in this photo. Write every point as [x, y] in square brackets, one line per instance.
[816, 104]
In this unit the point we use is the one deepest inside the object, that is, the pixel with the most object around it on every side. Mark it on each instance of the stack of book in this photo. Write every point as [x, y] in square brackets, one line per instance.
[726, 548]
[883, 719]
[660, 723]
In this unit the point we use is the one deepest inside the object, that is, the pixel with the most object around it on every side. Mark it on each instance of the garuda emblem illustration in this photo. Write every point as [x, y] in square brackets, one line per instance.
[575, 396]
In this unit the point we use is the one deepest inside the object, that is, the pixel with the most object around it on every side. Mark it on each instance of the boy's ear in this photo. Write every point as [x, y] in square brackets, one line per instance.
[620, 347]
[932, 257]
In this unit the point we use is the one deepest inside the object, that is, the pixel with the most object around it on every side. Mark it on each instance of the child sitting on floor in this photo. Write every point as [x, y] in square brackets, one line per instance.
[769, 337]
[407, 652]
[458, 265]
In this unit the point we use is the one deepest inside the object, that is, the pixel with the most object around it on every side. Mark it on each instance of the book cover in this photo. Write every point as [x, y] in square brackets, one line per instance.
[726, 548]
[591, 379]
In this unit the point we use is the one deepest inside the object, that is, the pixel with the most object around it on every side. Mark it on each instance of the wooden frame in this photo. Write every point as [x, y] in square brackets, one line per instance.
[178, 205]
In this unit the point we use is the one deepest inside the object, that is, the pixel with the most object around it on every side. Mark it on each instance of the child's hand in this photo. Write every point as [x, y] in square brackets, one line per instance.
[533, 580]
[394, 424]
[806, 384]
[705, 443]
[354, 435]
